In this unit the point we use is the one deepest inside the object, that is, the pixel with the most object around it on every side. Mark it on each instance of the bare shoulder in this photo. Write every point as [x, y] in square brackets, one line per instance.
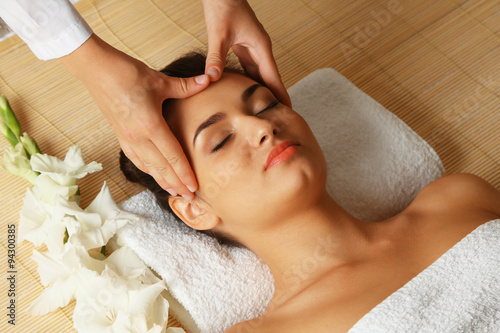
[443, 213]
[463, 191]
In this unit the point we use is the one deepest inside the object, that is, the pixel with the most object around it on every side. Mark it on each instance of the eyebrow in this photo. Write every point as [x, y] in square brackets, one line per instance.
[216, 117]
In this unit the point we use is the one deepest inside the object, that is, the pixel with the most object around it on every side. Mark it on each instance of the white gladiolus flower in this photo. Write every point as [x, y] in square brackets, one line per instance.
[129, 266]
[63, 273]
[114, 294]
[15, 161]
[40, 223]
[96, 224]
[64, 173]
[157, 319]
[49, 190]
[110, 304]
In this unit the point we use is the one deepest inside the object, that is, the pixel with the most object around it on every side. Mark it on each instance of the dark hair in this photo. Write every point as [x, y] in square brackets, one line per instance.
[190, 64]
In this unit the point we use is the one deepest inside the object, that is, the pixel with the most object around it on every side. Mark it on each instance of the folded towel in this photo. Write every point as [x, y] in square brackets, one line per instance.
[459, 292]
[376, 166]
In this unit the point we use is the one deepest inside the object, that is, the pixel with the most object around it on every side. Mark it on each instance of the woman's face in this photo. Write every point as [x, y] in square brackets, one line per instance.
[228, 153]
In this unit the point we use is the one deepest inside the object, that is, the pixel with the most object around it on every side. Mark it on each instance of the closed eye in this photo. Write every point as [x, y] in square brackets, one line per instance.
[220, 145]
[270, 106]
[226, 139]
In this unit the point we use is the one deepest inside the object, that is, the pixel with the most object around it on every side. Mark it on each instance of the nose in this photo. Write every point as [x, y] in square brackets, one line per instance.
[258, 131]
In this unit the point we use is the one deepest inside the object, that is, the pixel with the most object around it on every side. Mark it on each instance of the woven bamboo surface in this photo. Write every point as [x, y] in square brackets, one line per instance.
[435, 64]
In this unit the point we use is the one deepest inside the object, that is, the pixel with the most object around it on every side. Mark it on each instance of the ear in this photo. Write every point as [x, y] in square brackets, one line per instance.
[192, 214]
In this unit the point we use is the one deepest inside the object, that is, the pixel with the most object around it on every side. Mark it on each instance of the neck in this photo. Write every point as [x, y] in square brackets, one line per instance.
[311, 243]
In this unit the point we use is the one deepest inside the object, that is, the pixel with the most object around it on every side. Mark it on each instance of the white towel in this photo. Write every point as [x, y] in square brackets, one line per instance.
[459, 292]
[376, 166]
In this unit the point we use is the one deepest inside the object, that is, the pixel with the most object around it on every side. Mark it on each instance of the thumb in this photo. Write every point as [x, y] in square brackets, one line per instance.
[216, 59]
[178, 87]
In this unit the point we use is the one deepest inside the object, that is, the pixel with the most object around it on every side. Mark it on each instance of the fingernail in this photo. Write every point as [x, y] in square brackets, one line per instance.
[192, 189]
[186, 197]
[172, 192]
[201, 79]
[213, 72]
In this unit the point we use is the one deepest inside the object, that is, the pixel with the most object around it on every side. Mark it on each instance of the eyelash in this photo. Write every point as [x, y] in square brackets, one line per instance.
[223, 142]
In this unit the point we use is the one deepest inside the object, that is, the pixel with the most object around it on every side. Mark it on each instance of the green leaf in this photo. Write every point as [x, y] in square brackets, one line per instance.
[66, 236]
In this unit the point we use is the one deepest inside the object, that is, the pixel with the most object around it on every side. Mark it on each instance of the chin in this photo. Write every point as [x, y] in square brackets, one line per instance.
[301, 183]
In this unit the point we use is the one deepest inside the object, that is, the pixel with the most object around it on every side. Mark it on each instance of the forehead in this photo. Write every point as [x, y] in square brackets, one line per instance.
[184, 115]
[228, 88]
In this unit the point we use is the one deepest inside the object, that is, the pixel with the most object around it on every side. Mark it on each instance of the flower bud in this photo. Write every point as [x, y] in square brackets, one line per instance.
[9, 117]
[30, 145]
[8, 134]
[16, 162]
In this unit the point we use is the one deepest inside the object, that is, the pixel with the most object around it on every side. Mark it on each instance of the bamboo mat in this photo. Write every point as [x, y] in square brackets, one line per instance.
[435, 64]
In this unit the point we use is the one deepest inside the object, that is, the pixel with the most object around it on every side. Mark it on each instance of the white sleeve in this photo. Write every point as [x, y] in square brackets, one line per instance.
[51, 28]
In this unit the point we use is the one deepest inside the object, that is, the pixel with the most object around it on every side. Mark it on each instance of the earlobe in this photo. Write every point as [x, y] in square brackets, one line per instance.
[192, 214]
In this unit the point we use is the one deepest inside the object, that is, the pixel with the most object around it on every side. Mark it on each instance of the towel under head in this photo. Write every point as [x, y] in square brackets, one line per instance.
[376, 166]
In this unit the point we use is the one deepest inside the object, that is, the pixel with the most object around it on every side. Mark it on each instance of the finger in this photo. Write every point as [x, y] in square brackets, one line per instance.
[252, 71]
[131, 155]
[260, 65]
[185, 87]
[172, 153]
[161, 170]
[268, 71]
[216, 57]
[278, 89]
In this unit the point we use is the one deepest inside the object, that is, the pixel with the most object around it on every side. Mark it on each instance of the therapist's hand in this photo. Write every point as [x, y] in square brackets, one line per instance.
[233, 24]
[130, 95]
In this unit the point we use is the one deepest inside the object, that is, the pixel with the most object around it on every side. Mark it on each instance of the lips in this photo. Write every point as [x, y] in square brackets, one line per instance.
[272, 158]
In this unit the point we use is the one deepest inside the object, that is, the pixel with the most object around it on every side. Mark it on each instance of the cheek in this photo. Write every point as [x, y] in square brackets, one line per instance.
[233, 190]
[216, 182]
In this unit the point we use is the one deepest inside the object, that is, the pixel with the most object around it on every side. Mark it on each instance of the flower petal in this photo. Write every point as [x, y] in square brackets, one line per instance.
[33, 216]
[104, 205]
[74, 161]
[49, 190]
[142, 299]
[126, 263]
[57, 295]
[94, 237]
[102, 301]
[158, 314]
[65, 172]
[50, 267]
[38, 226]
